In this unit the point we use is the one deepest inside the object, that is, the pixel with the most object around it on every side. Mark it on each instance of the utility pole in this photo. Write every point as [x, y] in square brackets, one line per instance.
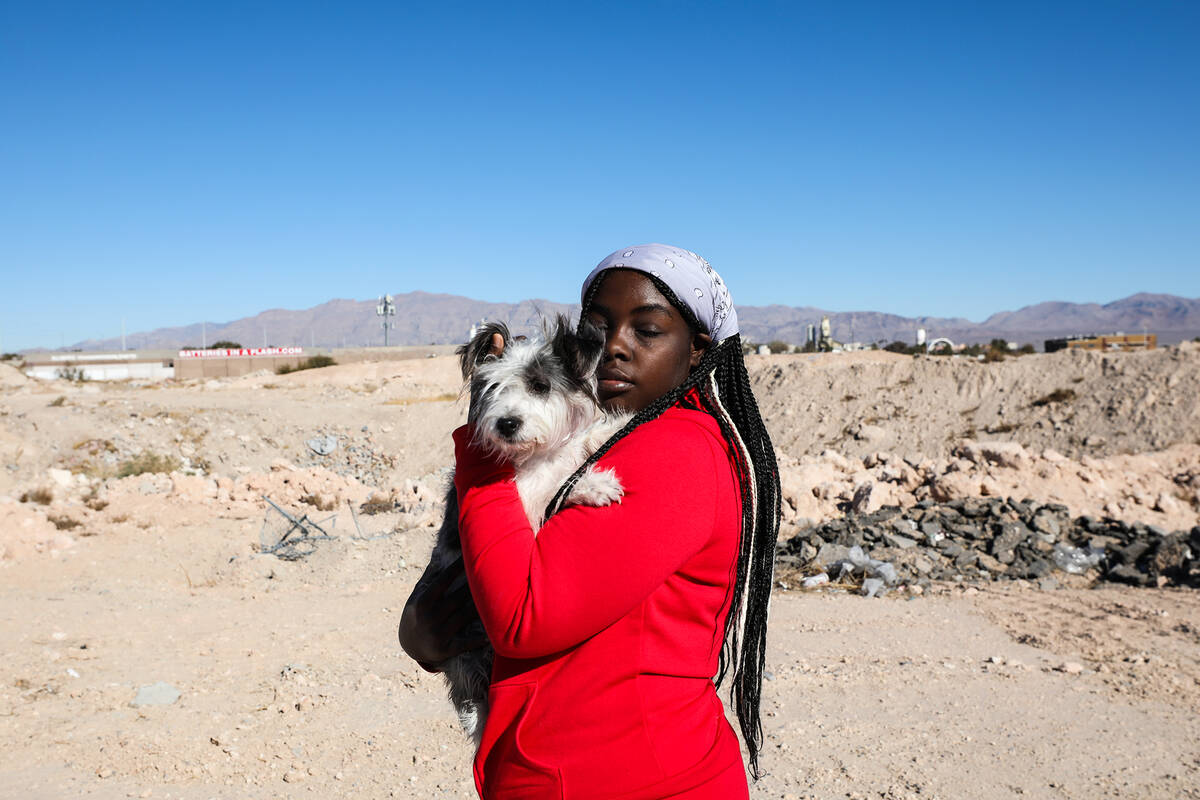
[122, 334]
[203, 335]
[385, 309]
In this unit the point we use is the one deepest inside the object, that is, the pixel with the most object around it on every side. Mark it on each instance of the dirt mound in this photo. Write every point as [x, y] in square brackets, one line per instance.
[1075, 402]
[11, 377]
[1153, 488]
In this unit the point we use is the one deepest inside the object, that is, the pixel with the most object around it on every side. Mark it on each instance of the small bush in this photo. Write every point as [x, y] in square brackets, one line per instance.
[10, 357]
[42, 496]
[1057, 396]
[312, 362]
[65, 523]
[318, 501]
[58, 401]
[1027, 350]
[376, 504]
[147, 462]
[96, 504]
[72, 374]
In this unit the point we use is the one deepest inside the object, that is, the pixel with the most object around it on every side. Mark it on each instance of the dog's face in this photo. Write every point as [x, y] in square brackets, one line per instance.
[537, 394]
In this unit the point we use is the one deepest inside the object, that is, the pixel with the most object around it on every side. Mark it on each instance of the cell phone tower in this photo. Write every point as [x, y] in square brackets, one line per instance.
[385, 309]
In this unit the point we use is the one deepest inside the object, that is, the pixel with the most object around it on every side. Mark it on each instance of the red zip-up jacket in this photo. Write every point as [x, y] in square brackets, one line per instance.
[608, 624]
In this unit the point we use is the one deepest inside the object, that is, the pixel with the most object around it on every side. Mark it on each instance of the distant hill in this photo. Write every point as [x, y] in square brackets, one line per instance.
[425, 318]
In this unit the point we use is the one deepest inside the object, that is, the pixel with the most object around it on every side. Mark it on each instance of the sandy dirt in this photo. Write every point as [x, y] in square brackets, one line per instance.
[290, 681]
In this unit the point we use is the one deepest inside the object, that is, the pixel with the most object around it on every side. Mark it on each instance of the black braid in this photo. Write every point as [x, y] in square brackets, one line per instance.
[722, 387]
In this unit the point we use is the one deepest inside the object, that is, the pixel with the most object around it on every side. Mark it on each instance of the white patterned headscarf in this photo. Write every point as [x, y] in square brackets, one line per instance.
[695, 284]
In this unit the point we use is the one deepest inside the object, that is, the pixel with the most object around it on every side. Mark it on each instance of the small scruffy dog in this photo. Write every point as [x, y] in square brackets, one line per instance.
[535, 406]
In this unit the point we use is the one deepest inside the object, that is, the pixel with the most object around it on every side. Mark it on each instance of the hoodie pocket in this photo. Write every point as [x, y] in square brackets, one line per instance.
[503, 767]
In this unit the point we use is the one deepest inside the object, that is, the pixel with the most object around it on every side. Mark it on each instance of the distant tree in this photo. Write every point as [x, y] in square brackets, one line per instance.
[811, 347]
[942, 349]
[10, 357]
[777, 346]
[998, 344]
[1027, 350]
[224, 344]
[897, 347]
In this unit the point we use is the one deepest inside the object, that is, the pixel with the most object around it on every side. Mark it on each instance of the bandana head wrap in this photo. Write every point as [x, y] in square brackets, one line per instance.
[695, 284]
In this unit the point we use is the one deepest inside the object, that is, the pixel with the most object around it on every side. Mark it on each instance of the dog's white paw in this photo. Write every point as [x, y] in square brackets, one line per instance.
[597, 487]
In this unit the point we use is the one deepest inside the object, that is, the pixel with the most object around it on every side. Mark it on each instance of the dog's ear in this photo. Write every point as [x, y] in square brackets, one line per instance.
[479, 349]
[579, 350]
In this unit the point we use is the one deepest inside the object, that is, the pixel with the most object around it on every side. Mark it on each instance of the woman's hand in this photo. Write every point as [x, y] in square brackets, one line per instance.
[437, 621]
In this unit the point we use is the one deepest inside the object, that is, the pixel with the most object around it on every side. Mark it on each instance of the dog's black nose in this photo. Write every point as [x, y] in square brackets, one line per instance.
[508, 426]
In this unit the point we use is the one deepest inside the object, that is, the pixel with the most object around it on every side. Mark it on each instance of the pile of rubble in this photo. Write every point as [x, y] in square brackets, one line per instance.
[353, 456]
[978, 539]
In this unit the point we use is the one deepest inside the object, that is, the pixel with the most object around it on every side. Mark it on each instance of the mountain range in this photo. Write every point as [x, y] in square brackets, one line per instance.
[424, 318]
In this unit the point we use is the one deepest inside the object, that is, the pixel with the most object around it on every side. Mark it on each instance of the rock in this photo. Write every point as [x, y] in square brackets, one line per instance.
[1011, 535]
[1004, 454]
[155, 694]
[991, 564]
[323, 445]
[831, 554]
[872, 434]
[61, 478]
[1070, 667]
[896, 540]
[1045, 522]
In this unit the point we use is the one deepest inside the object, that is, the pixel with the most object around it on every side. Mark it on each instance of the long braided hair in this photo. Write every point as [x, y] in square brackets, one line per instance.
[720, 386]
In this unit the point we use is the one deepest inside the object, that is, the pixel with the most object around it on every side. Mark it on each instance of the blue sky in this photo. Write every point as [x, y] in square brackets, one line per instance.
[168, 163]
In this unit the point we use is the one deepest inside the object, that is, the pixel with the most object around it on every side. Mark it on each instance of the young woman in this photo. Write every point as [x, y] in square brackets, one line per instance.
[610, 624]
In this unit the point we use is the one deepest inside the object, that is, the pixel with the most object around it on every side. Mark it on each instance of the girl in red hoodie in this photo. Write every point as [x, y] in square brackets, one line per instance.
[611, 623]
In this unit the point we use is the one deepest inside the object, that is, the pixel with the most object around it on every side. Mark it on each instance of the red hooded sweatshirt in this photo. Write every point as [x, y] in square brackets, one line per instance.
[608, 624]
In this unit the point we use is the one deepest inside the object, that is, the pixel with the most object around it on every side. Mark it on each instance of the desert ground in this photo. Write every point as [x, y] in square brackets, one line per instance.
[155, 647]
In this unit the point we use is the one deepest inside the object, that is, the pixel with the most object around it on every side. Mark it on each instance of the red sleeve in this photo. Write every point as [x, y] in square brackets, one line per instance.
[587, 567]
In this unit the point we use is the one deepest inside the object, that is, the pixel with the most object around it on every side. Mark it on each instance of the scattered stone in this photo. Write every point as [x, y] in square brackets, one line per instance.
[984, 539]
[323, 445]
[155, 694]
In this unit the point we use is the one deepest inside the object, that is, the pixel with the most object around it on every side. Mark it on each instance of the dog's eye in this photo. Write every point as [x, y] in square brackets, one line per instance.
[539, 386]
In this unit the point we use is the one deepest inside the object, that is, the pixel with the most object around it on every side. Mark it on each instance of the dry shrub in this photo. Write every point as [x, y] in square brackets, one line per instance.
[41, 496]
[95, 446]
[376, 504]
[404, 401]
[120, 518]
[65, 523]
[96, 504]
[1057, 396]
[319, 502]
[313, 362]
[59, 401]
[147, 462]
